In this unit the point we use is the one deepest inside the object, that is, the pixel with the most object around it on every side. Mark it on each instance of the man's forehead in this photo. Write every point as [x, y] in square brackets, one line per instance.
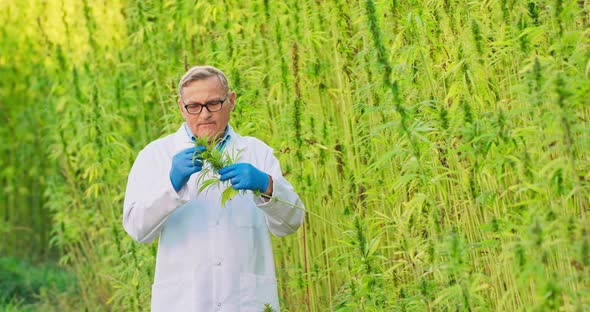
[204, 89]
[212, 82]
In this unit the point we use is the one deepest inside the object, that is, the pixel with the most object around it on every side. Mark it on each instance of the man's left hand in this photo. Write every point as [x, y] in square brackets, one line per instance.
[244, 176]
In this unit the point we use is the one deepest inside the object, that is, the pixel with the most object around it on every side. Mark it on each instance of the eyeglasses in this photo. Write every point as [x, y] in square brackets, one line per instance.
[197, 108]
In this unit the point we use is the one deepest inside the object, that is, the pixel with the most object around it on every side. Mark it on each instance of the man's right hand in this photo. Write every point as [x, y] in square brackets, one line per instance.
[183, 166]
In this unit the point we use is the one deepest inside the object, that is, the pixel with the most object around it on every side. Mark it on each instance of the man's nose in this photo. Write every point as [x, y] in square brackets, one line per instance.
[205, 113]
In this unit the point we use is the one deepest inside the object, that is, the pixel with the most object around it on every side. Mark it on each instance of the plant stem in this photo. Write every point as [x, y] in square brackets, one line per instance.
[294, 206]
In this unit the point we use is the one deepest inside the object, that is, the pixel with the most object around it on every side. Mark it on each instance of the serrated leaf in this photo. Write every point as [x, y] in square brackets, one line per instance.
[208, 183]
[202, 176]
[228, 193]
[374, 245]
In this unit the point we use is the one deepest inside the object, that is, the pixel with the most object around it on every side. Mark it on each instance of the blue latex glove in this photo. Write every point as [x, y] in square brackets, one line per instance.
[183, 166]
[244, 176]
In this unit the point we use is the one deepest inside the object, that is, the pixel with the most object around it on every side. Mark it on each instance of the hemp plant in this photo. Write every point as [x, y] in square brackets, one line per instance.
[209, 175]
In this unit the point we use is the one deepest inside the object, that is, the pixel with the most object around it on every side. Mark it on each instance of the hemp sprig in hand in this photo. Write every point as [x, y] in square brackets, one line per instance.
[216, 160]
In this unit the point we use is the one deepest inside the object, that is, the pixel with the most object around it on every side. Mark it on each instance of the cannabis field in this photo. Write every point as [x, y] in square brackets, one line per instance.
[441, 147]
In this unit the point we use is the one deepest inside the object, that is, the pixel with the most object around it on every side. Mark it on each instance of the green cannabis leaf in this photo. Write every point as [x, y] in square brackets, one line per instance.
[228, 193]
[268, 308]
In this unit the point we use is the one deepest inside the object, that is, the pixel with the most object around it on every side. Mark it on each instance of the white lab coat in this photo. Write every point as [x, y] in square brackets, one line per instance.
[210, 257]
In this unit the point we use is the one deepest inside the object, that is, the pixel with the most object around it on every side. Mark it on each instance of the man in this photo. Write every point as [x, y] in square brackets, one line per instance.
[211, 257]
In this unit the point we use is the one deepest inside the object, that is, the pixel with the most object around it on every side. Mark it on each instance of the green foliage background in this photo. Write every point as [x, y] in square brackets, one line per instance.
[440, 146]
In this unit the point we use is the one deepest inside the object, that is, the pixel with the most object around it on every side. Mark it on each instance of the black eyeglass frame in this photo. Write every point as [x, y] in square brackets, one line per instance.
[206, 105]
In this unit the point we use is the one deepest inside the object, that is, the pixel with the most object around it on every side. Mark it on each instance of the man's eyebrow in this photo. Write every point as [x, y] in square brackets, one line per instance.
[198, 103]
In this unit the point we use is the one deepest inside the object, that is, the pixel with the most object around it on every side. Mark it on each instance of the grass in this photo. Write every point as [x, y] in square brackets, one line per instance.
[28, 287]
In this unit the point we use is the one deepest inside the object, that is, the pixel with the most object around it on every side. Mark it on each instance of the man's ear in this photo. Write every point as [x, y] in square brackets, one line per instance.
[179, 105]
[232, 100]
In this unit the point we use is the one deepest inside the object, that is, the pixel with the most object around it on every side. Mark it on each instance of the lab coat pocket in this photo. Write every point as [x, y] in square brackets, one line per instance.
[256, 291]
[174, 295]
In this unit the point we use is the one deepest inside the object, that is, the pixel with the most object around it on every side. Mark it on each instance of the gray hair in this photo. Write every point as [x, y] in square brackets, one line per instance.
[200, 73]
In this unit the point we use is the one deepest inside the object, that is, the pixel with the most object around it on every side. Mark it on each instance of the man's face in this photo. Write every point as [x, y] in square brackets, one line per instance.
[209, 124]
